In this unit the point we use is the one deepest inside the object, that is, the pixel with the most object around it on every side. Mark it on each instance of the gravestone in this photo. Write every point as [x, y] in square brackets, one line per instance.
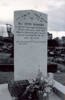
[30, 44]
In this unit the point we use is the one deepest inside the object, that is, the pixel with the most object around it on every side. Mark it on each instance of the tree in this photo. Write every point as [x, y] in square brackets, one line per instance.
[53, 43]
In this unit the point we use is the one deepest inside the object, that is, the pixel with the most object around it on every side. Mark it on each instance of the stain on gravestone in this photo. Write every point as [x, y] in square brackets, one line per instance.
[30, 44]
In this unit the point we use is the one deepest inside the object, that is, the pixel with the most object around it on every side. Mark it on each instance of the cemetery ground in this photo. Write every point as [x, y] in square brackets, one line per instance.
[5, 58]
[6, 67]
[5, 75]
[56, 58]
[5, 95]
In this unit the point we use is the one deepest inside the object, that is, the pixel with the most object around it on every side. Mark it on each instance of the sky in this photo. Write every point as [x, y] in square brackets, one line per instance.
[56, 17]
[54, 8]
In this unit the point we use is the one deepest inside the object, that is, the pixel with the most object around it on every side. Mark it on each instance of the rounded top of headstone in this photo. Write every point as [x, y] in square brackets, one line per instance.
[30, 11]
[31, 15]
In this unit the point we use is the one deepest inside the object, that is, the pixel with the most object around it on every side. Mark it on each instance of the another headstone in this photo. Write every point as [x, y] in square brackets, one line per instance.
[30, 44]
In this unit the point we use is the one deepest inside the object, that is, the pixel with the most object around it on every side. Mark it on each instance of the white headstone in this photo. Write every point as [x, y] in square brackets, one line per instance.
[30, 44]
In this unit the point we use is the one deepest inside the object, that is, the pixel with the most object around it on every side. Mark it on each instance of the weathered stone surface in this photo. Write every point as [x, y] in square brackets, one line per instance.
[30, 44]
